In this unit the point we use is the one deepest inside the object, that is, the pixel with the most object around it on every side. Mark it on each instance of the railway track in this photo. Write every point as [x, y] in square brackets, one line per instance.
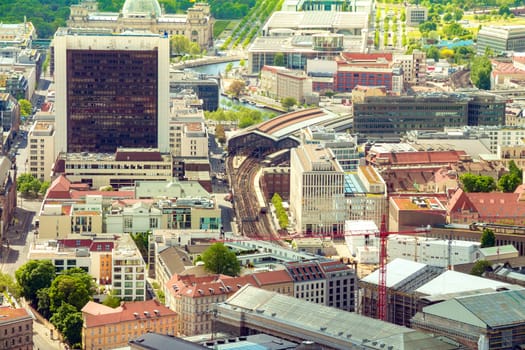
[252, 223]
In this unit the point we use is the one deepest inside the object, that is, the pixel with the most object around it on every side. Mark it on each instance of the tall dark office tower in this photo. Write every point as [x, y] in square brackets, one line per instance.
[111, 91]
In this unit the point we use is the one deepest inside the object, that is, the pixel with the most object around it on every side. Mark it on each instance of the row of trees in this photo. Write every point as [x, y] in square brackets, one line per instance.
[58, 298]
[484, 183]
[180, 45]
[29, 186]
[282, 216]
[243, 116]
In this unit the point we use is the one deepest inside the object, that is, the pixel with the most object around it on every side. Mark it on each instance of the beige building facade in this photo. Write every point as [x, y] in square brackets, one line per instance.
[279, 83]
[41, 140]
[316, 190]
[16, 329]
[196, 25]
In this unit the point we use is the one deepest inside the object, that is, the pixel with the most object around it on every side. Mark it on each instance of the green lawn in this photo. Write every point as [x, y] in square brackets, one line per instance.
[219, 26]
[495, 20]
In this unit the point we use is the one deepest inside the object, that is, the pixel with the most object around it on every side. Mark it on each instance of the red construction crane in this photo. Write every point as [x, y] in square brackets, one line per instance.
[383, 236]
[381, 285]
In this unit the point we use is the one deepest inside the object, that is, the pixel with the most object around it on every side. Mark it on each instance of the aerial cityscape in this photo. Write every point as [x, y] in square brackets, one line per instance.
[262, 174]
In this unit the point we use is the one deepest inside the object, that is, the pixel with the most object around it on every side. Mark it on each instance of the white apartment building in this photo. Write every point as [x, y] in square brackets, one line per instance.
[41, 149]
[62, 258]
[316, 190]
[432, 251]
[129, 271]
[122, 168]
[139, 217]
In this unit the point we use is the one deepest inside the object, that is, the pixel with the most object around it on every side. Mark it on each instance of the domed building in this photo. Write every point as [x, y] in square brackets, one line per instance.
[196, 25]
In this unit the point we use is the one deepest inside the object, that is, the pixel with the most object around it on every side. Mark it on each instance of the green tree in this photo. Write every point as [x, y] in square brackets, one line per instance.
[74, 286]
[236, 87]
[433, 52]
[34, 275]
[141, 239]
[179, 45]
[68, 321]
[44, 304]
[480, 70]
[278, 59]
[458, 14]
[220, 134]
[510, 181]
[477, 183]
[427, 26]
[488, 239]
[454, 30]
[8, 284]
[280, 212]
[219, 259]
[504, 10]
[480, 267]
[44, 186]
[25, 107]
[27, 184]
[288, 102]
[447, 17]
[111, 301]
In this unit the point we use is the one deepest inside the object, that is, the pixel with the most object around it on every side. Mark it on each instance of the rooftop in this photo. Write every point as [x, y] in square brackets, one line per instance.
[9, 314]
[456, 282]
[497, 309]
[95, 314]
[417, 203]
[329, 326]
[397, 271]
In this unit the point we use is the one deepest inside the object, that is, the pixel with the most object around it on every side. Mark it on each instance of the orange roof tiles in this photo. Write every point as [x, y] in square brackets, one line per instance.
[272, 277]
[196, 287]
[59, 188]
[98, 315]
[503, 67]
[8, 313]
[422, 157]
[284, 120]
[492, 206]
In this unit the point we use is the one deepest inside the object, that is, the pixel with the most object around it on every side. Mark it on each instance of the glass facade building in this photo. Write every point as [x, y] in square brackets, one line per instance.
[111, 100]
[112, 91]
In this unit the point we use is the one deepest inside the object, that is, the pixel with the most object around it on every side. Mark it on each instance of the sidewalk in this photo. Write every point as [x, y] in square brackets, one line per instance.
[41, 331]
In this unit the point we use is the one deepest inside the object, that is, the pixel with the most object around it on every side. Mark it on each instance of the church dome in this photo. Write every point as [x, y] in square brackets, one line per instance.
[132, 8]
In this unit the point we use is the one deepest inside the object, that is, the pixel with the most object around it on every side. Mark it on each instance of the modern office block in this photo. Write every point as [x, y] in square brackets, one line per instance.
[112, 91]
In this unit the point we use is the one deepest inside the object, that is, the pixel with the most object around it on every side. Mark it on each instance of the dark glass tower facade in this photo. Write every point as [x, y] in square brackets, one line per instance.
[111, 100]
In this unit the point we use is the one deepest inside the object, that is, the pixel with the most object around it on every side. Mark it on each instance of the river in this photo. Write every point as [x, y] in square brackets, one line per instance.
[214, 69]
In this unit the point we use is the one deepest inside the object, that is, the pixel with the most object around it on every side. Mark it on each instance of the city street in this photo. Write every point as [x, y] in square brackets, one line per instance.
[14, 252]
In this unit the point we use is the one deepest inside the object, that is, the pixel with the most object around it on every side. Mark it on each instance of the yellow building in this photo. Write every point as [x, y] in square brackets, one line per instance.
[108, 328]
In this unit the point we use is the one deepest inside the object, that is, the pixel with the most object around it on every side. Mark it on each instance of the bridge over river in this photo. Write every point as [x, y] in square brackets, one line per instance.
[206, 61]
